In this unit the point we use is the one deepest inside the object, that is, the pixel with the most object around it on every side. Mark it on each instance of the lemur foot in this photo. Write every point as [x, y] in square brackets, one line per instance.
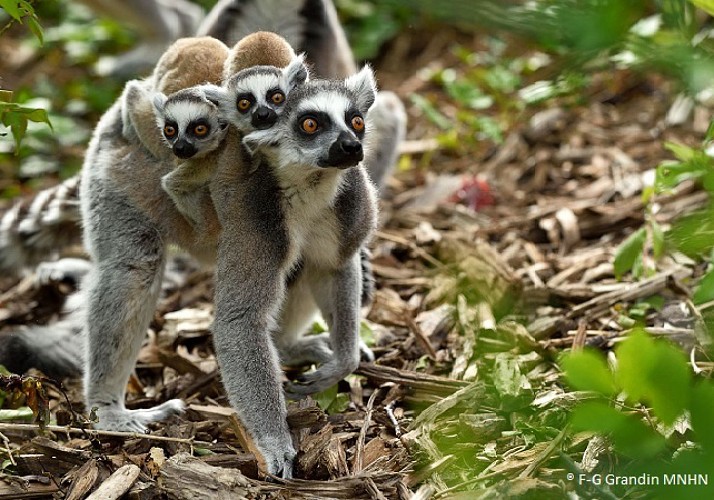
[316, 349]
[365, 353]
[68, 269]
[117, 418]
[278, 454]
[323, 378]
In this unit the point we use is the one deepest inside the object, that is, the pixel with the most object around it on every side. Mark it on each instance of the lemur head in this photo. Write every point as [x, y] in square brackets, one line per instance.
[192, 121]
[322, 125]
[259, 93]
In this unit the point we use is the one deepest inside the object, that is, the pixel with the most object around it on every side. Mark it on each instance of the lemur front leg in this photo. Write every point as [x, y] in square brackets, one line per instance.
[338, 297]
[122, 290]
[249, 289]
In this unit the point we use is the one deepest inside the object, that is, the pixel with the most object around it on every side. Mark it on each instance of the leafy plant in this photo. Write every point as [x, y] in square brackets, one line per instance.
[16, 117]
[22, 12]
[13, 115]
[642, 405]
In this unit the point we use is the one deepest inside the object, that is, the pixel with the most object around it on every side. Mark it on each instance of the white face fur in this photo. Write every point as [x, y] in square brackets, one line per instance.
[323, 125]
[257, 94]
[192, 121]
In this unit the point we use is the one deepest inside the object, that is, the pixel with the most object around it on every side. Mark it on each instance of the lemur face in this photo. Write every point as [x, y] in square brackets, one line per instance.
[323, 124]
[191, 120]
[259, 94]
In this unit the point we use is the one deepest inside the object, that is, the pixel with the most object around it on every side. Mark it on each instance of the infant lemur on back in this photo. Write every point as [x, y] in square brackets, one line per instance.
[193, 122]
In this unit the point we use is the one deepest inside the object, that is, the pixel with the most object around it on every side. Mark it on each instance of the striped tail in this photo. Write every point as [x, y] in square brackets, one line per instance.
[37, 229]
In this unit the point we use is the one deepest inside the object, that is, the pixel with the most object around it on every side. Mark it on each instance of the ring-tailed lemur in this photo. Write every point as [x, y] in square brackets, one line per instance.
[303, 210]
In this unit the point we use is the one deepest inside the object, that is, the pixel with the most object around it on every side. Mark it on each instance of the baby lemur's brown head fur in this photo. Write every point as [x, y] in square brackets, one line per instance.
[261, 48]
[189, 62]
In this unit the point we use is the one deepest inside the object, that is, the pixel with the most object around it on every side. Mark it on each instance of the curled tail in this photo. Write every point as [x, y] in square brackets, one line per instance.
[36, 229]
[57, 349]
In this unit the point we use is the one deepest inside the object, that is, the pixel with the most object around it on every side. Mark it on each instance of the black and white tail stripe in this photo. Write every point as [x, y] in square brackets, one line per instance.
[37, 228]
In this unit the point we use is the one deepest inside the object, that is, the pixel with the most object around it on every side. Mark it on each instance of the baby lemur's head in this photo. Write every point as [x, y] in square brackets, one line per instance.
[192, 121]
[322, 125]
[258, 93]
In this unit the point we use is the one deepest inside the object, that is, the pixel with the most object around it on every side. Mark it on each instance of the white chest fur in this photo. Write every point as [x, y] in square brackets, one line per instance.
[308, 204]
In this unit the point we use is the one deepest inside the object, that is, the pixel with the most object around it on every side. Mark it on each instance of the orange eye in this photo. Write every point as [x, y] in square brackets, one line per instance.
[358, 123]
[200, 130]
[277, 97]
[309, 125]
[244, 105]
[169, 131]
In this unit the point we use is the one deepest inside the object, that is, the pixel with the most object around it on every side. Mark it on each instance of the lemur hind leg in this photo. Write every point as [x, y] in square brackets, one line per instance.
[122, 290]
[338, 297]
[297, 314]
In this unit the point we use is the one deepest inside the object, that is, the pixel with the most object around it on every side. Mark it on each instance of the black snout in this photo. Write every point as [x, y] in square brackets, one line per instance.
[345, 152]
[263, 117]
[184, 149]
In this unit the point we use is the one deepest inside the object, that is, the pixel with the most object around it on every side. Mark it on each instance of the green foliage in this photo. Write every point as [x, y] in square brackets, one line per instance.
[16, 117]
[585, 370]
[705, 290]
[332, 401]
[654, 374]
[370, 23]
[13, 115]
[23, 12]
[629, 253]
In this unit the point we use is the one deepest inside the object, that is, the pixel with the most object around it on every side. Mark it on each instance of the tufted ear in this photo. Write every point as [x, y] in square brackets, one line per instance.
[159, 101]
[216, 95]
[364, 87]
[296, 72]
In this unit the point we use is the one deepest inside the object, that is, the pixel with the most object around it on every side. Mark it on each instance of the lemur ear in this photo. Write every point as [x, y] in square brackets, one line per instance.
[296, 72]
[159, 101]
[215, 94]
[258, 139]
[364, 87]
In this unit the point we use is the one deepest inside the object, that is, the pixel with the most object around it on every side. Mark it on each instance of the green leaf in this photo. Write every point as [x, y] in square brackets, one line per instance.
[702, 413]
[6, 95]
[12, 7]
[510, 382]
[656, 373]
[18, 124]
[38, 115]
[706, 5]
[586, 370]
[681, 152]
[366, 333]
[693, 234]
[202, 452]
[657, 239]
[325, 398]
[628, 251]
[431, 112]
[705, 290]
[35, 28]
[23, 413]
[710, 130]
[628, 434]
